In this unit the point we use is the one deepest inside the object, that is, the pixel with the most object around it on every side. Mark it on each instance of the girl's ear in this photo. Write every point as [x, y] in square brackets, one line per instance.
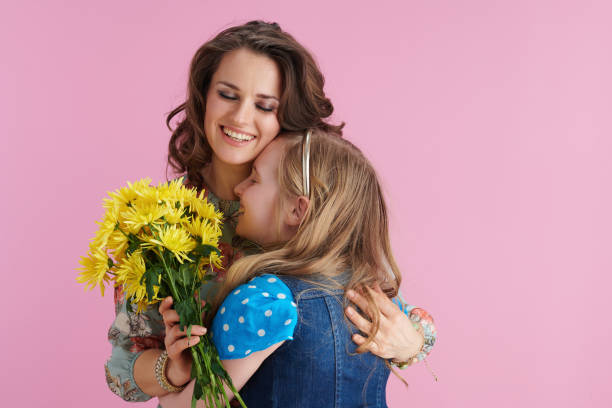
[297, 211]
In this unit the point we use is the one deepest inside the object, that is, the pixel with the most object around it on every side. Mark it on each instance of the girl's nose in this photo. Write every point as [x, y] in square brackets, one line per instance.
[239, 188]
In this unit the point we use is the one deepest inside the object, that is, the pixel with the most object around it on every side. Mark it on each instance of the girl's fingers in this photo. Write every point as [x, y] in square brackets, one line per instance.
[358, 299]
[362, 324]
[359, 340]
[385, 305]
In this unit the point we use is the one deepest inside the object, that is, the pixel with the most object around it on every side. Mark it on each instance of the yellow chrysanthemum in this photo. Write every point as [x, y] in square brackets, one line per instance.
[117, 243]
[129, 275]
[94, 269]
[210, 233]
[126, 195]
[216, 260]
[203, 208]
[175, 239]
[199, 227]
[140, 186]
[140, 215]
[206, 264]
[148, 196]
[175, 215]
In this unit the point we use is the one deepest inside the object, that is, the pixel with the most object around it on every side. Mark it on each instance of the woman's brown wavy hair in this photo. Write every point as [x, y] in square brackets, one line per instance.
[303, 103]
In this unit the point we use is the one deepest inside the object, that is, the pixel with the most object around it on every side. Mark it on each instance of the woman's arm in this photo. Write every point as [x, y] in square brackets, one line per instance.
[397, 338]
[135, 338]
[138, 340]
[240, 370]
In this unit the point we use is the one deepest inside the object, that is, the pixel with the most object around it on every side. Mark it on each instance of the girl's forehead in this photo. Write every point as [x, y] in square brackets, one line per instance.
[269, 159]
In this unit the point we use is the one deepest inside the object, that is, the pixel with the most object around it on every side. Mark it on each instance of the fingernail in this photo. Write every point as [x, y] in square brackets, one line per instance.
[350, 293]
[199, 330]
[349, 310]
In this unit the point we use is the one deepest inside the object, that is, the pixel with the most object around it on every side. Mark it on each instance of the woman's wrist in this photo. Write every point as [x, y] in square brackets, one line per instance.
[177, 374]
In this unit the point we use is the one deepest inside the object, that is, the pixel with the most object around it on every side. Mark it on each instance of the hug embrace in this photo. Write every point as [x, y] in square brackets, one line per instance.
[306, 309]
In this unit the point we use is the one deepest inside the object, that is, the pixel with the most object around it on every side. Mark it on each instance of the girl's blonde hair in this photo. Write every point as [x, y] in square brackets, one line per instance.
[345, 227]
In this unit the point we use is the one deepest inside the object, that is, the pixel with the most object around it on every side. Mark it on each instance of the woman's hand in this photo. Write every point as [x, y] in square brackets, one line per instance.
[396, 339]
[178, 370]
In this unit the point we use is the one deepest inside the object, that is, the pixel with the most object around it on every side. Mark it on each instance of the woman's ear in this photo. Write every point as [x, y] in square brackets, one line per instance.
[297, 211]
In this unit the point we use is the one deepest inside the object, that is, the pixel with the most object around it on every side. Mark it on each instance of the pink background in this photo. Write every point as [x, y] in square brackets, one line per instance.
[489, 123]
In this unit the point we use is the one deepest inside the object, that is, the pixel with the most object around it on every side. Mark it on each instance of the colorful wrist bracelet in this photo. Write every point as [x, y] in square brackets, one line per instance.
[423, 323]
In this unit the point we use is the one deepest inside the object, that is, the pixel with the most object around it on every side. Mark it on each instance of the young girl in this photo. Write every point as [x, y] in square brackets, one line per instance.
[245, 85]
[315, 203]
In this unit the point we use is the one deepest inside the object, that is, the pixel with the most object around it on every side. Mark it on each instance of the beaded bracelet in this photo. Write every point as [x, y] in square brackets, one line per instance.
[422, 323]
[160, 373]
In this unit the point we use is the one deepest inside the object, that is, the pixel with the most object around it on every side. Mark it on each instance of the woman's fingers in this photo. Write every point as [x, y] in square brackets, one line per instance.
[165, 304]
[359, 321]
[181, 345]
[176, 340]
[171, 318]
[175, 333]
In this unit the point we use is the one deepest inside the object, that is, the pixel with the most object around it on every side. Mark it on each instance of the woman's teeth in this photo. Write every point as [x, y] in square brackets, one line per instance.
[240, 137]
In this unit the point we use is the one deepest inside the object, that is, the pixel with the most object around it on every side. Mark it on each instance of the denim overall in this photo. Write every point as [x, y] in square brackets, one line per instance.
[319, 367]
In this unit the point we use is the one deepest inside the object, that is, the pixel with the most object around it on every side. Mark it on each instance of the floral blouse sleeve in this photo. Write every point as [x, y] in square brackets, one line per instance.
[131, 333]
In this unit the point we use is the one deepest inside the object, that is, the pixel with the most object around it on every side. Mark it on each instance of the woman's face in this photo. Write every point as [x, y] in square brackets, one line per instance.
[241, 106]
[259, 218]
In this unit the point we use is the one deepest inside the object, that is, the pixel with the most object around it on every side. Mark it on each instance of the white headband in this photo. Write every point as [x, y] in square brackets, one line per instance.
[306, 163]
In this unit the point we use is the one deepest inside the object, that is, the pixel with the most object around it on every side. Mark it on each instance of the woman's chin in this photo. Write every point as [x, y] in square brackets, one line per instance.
[236, 158]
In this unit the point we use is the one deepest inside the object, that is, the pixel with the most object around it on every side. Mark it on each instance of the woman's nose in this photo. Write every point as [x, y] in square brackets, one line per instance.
[243, 114]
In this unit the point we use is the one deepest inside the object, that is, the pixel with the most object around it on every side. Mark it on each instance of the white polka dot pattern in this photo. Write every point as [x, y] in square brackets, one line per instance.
[254, 316]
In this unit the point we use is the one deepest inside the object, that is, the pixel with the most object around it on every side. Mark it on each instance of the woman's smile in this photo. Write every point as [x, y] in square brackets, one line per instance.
[236, 137]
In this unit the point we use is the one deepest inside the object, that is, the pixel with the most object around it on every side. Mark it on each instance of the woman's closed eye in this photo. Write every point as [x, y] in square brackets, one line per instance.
[229, 96]
[233, 97]
[266, 108]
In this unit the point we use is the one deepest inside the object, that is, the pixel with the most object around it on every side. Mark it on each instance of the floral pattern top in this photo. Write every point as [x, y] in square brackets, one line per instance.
[132, 333]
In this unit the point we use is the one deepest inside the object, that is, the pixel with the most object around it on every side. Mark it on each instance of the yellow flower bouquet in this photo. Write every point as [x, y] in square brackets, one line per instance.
[159, 241]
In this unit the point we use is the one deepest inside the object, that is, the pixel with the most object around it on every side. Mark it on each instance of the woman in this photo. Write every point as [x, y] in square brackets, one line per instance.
[245, 86]
[317, 206]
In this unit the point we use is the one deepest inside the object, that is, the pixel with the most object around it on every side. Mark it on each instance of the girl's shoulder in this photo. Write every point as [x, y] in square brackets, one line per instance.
[254, 316]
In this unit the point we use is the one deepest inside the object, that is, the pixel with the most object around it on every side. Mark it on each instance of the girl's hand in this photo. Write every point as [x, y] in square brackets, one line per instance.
[178, 370]
[396, 338]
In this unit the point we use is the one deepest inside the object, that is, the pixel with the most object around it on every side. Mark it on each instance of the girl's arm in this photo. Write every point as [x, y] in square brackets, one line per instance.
[240, 370]
[397, 338]
[255, 315]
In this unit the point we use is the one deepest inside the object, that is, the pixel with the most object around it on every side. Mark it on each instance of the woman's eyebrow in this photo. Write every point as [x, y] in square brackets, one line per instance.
[234, 87]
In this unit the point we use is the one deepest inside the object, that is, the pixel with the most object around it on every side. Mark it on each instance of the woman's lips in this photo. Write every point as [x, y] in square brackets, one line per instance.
[236, 137]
